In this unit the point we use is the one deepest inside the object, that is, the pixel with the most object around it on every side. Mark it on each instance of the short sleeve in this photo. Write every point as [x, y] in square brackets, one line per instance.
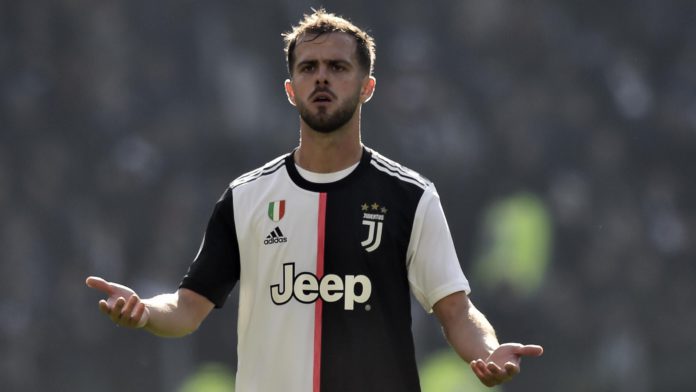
[433, 267]
[215, 270]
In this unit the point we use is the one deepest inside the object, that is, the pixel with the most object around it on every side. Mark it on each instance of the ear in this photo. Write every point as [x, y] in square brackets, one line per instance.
[290, 92]
[368, 89]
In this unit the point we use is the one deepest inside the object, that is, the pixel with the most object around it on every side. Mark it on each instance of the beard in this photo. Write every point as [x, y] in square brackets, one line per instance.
[325, 122]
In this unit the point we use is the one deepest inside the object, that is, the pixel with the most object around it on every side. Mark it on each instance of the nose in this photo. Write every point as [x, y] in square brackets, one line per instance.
[322, 75]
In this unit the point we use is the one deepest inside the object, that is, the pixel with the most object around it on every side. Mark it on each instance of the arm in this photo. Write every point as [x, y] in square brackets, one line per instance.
[176, 314]
[473, 338]
[466, 329]
[167, 315]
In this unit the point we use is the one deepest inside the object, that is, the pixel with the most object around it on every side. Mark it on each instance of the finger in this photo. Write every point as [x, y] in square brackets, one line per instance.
[104, 307]
[127, 310]
[490, 377]
[137, 317]
[495, 369]
[474, 368]
[116, 309]
[100, 284]
[481, 365]
[511, 369]
[477, 370]
[498, 375]
[530, 350]
[484, 377]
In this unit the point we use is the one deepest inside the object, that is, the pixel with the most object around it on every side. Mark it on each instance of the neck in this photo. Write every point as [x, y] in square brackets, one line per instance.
[329, 152]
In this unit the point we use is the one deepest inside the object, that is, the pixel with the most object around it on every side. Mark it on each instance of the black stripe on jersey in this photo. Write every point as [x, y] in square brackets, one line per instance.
[399, 174]
[370, 348]
[269, 168]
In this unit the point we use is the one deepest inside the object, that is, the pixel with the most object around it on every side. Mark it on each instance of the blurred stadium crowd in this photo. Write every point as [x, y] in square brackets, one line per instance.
[561, 137]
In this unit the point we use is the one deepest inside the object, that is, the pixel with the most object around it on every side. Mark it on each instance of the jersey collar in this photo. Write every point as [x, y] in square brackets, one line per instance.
[325, 187]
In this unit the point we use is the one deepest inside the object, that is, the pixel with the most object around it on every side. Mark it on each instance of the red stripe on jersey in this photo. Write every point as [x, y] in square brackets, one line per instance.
[321, 231]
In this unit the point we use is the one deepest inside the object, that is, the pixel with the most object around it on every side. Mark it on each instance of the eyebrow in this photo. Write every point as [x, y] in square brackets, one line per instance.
[330, 62]
[340, 62]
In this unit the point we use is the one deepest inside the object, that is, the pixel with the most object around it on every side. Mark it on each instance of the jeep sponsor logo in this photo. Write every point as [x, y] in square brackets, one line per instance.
[307, 288]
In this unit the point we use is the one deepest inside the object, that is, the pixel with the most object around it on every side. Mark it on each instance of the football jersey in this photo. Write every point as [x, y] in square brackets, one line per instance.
[324, 273]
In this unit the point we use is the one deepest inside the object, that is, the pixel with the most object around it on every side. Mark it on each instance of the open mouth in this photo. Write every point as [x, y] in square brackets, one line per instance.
[322, 98]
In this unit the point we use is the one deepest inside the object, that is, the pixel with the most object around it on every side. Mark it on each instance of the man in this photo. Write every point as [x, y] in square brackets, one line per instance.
[326, 243]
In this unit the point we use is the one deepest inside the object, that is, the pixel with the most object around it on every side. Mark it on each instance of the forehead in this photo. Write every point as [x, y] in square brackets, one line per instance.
[329, 46]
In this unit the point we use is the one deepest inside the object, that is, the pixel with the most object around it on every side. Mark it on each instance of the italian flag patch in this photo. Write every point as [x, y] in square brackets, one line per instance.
[276, 210]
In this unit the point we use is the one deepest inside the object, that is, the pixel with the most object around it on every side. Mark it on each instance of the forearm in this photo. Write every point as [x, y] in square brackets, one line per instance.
[472, 336]
[467, 330]
[169, 316]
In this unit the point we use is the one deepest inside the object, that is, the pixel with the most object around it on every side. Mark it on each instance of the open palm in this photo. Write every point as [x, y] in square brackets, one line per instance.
[123, 305]
[503, 363]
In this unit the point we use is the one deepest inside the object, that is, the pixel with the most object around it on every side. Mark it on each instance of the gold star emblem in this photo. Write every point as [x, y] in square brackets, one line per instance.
[364, 207]
[375, 206]
[384, 210]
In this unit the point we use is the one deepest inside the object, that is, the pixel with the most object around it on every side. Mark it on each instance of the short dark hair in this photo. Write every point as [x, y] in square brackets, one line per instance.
[321, 22]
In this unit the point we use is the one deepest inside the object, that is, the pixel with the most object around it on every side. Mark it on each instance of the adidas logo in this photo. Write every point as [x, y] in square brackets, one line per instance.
[275, 237]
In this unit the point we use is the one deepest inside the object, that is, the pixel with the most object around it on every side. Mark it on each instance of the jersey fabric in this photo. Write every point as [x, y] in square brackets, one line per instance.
[324, 272]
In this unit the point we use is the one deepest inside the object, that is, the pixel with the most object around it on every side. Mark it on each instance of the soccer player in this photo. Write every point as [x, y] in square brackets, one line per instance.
[326, 242]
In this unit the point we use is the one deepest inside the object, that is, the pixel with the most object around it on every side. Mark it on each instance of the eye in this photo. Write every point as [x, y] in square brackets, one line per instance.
[306, 68]
[339, 67]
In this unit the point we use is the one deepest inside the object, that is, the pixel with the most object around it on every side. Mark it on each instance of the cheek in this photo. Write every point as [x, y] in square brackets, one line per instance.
[301, 89]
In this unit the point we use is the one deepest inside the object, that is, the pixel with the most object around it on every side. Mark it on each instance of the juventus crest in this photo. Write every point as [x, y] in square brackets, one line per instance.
[373, 218]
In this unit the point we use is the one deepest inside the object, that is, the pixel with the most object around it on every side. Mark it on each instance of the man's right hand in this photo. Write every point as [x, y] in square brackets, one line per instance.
[123, 306]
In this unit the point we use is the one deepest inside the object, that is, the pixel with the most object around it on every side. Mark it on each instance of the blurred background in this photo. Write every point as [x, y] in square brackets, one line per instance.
[561, 137]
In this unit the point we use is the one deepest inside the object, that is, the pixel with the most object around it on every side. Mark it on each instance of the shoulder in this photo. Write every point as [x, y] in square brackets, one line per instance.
[265, 170]
[398, 171]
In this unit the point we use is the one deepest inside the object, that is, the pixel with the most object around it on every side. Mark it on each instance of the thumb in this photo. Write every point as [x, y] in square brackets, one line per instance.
[530, 350]
[100, 284]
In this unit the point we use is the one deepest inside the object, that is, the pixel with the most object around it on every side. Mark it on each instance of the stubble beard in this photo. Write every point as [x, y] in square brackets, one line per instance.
[323, 122]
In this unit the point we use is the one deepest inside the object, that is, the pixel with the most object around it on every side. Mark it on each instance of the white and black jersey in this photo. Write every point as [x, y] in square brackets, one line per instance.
[325, 271]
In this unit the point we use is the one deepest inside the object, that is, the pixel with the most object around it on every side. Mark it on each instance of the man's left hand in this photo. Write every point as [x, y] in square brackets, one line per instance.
[503, 363]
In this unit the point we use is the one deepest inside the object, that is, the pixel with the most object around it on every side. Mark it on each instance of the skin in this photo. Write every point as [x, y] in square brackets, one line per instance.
[325, 67]
[328, 64]
[167, 315]
[473, 338]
